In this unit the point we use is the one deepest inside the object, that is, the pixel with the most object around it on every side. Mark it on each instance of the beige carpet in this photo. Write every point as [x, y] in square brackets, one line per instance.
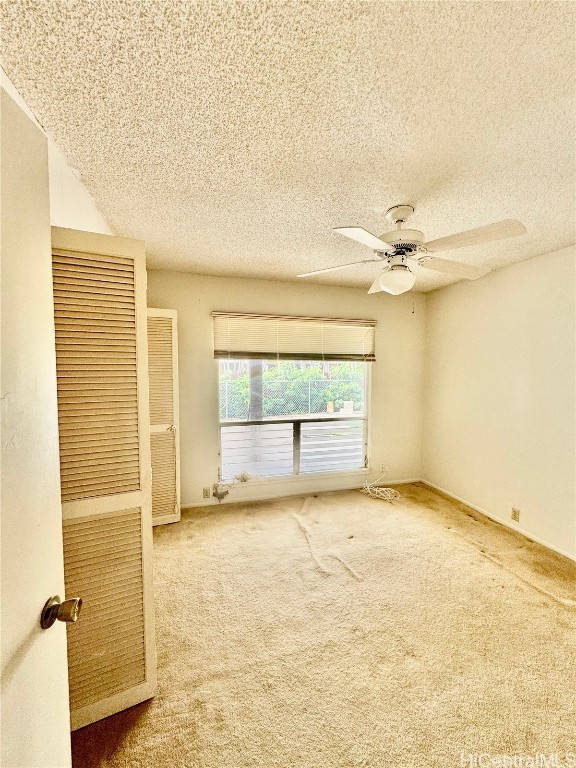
[338, 631]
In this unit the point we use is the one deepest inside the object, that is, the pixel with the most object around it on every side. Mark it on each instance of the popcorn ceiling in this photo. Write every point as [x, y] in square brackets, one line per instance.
[232, 136]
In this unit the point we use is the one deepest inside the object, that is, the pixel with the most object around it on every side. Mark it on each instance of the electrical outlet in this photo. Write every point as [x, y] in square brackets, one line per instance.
[206, 493]
[515, 514]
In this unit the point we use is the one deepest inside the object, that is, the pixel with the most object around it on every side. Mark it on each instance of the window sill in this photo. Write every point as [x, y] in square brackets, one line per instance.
[295, 485]
[275, 479]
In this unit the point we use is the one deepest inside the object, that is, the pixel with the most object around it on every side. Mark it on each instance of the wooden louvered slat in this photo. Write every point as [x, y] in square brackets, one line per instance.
[82, 581]
[99, 550]
[83, 424]
[95, 321]
[109, 324]
[125, 655]
[99, 446]
[163, 473]
[92, 361]
[117, 322]
[103, 554]
[120, 674]
[106, 648]
[160, 370]
[84, 264]
[87, 272]
[108, 377]
[101, 525]
[92, 486]
[100, 311]
[84, 413]
[97, 375]
[93, 313]
[99, 563]
[102, 444]
[113, 325]
[69, 260]
[99, 684]
[104, 272]
[84, 257]
[97, 401]
[80, 474]
[85, 292]
[76, 335]
[163, 399]
[98, 534]
[95, 492]
[110, 342]
[127, 389]
[95, 406]
[116, 464]
[112, 273]
[98, 302]
[123, 644]
[100, 437]
[104, 433]
[124, 629]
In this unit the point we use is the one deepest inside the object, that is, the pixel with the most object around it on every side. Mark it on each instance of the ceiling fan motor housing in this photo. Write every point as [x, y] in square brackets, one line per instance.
[408, 240]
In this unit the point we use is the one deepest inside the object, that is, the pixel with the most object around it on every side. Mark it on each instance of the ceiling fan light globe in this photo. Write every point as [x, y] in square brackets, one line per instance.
[396, 280]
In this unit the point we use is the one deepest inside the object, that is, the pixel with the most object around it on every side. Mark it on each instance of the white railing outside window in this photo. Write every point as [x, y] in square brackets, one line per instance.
[272, 425]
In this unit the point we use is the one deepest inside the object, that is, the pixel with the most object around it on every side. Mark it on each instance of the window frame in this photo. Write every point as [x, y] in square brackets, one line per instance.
[297, 422]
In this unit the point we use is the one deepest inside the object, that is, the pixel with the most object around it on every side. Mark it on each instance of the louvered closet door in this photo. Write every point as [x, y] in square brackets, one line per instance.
[164, 436]
[103, 414]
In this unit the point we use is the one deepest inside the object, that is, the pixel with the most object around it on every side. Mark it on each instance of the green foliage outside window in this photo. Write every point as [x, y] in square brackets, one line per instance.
[292, 387]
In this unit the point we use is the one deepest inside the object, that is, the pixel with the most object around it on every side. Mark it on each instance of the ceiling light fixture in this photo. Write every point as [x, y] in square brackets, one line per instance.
[397, 279]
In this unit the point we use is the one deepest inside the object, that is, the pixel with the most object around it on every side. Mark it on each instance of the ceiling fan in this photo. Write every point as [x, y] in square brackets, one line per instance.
[401, 245]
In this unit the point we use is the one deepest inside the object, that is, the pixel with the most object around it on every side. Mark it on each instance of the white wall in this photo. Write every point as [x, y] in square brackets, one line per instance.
[499, 423]
[35, 718]
[396, 376]
[71, 205]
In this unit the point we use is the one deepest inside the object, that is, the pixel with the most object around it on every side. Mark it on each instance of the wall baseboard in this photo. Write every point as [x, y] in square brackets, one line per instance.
[270, 492]
[505, 523]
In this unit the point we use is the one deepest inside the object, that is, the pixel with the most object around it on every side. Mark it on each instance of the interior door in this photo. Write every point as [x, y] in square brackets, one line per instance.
[103, 415]
[35, 717]
[164, 429]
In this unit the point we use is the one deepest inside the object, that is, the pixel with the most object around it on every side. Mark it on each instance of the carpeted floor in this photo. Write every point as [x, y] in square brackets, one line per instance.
[338, 631]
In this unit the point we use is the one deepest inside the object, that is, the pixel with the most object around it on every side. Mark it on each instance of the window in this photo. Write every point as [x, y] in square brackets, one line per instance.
[291, 416]
[285, 412]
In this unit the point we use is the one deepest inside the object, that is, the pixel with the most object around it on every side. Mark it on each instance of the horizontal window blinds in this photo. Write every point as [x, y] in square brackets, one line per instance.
[245, 336]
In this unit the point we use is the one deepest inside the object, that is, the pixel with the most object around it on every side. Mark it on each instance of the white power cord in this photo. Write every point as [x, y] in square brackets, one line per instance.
[376, 491]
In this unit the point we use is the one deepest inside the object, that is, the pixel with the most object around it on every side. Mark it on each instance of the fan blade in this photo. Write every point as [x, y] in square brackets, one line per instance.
[496, 231]
[471, 271]
[340, 266]
[375, 287]
[364, 237]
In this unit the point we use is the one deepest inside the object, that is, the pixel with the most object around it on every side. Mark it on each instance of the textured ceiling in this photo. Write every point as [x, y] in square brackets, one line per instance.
[232, 136]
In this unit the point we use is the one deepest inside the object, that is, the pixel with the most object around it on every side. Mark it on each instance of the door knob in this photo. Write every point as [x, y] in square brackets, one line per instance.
[54, 609]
